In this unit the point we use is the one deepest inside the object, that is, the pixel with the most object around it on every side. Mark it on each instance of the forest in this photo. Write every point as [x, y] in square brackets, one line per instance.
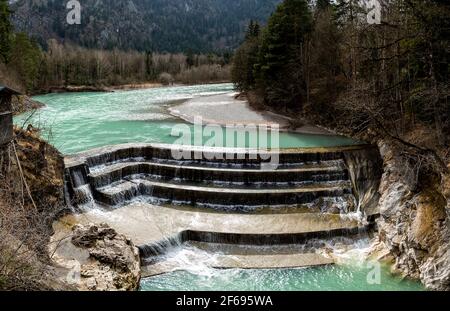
[173, 26]
[30, 67]
[324, 62]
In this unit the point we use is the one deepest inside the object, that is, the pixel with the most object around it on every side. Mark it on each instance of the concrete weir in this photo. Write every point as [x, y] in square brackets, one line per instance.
[223, 196]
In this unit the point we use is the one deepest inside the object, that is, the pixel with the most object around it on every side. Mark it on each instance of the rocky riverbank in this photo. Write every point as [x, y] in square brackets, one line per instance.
[96, 258]
[414, 224]
[413, 229]
[31, 198]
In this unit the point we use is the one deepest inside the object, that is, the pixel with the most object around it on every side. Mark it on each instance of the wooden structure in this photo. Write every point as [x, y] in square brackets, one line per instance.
[6, 118]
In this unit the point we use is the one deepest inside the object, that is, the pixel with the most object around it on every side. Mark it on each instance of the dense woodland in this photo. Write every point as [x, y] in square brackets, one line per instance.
[73, 65]
[323, 61]
[173, 26]
[30, 67]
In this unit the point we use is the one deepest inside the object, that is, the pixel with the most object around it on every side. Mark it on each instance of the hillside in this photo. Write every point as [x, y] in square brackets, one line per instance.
[159, 25]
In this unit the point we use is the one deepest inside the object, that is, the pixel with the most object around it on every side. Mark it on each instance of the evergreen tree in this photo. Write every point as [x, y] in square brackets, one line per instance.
[25, 59]
[256, 30]
[5, 31]
[190, 58]
[253, 30]
[322, 5]
[281, 59]
[245, 59]
[150, 66]
[249, 32]
[323, 63]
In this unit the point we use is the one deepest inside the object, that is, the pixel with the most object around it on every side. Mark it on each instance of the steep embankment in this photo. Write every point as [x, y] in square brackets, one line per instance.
[414, 223]
[31, 197]
[413, 228]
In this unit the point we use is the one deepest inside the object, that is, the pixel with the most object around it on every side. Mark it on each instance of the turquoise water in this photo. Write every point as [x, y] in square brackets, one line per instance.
[326, 278]
[75, 122]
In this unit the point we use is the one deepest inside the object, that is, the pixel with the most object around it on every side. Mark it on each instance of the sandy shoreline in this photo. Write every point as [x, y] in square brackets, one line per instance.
[225, 110]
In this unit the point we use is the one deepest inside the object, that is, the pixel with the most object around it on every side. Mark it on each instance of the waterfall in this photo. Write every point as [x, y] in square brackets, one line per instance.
[151, 252]
[78, 191]
[83, 197]
[121, 175]
[335, 190]
[78, 177]
[365, 169]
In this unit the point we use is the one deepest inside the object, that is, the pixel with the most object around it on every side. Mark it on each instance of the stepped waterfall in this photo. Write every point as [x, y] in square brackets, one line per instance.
[235, 201]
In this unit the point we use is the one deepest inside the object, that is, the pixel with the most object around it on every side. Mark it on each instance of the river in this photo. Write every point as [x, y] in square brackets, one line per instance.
[75, 122]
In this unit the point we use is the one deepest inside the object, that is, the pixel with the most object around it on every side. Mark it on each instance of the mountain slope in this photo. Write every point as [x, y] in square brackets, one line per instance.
[161, 25]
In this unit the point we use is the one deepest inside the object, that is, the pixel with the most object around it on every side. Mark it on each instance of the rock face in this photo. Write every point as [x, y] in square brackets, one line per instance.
[113, 259]
[414, 223]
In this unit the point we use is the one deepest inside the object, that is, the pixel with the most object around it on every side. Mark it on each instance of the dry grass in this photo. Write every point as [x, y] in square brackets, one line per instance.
[30, 200]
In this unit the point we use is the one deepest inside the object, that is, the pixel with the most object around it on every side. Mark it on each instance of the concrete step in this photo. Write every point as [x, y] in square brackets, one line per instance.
[157, 228]
[220, 261]
[163, 152]
[228, 240]
[323, 172]
[201, 195]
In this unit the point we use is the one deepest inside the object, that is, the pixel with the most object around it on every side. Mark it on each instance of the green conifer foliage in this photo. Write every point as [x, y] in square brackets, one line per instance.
[5, 31]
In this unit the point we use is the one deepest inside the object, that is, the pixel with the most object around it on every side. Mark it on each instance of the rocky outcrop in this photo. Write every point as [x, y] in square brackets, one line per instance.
[414, 222]
[113, 262]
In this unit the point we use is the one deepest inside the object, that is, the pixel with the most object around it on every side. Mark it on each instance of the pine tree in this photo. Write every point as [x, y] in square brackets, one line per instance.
[256, 30]
[249, 32]
[5, 31]
[150, 66]
[190, 58]
[322, 5]
[25, 59]
[253, 30]
[280, 66]
[245, 59]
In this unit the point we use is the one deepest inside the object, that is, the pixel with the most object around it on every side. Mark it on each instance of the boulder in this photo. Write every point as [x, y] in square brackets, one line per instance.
[114, 262]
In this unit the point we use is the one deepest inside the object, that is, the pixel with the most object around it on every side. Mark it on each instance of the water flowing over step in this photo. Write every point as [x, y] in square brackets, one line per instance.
[221, 197]
[325, 171]
[180, 193]
[219, 178]
[159, 230]
[204, 255]
[221, 261]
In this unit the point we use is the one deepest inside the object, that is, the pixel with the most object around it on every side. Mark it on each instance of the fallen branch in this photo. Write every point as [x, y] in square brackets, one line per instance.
[23, 177]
